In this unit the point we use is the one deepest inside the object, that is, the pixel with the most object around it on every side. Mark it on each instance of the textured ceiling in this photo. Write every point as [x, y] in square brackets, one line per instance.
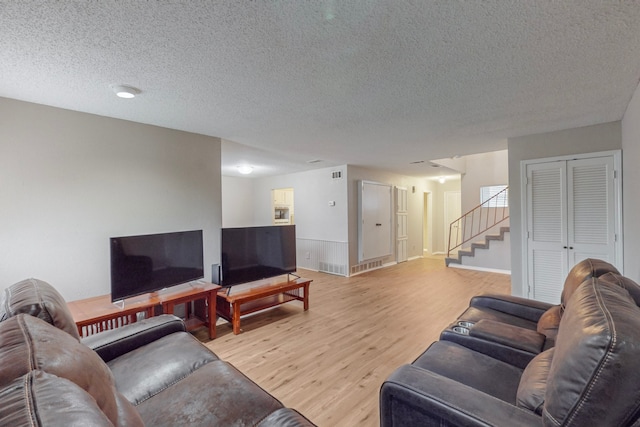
[372, 83]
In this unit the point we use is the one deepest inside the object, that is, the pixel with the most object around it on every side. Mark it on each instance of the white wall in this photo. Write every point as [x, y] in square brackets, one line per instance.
[69, 181]
[483, 170]
[589, 139]
[312, 191]
[630, 186]
[237, 206]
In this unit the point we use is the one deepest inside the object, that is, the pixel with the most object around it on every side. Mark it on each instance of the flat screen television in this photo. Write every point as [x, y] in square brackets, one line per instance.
[148, 263]
[254, 253]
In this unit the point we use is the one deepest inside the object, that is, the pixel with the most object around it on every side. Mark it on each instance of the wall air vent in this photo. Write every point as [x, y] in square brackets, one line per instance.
[336, 174]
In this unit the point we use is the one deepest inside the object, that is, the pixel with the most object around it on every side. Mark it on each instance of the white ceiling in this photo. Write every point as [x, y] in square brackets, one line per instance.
[379, 83]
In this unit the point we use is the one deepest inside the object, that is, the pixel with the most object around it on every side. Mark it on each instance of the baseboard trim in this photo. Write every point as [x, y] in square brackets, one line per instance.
[472, 267]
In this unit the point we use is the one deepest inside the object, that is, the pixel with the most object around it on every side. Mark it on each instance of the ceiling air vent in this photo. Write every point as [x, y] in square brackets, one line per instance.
[336, 174]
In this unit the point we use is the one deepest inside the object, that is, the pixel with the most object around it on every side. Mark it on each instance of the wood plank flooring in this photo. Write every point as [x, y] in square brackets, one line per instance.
[329, 362]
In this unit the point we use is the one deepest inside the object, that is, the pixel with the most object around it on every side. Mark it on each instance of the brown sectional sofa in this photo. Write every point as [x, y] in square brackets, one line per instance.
[587, 375]
[151, 372]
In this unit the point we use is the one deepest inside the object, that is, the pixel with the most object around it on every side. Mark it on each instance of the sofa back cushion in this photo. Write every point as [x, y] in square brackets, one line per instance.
[549, 322]
[624, 282]
[28, 343]
[595, 371]
[533, 383]
[585, 269]
[41, 399]
[38, 299]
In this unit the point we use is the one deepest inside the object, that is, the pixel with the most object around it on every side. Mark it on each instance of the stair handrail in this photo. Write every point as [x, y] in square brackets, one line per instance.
[460, 225]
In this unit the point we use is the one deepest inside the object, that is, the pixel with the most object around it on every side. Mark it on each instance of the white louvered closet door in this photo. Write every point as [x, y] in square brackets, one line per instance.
[591, 224]
[547, 230]
[570, 217]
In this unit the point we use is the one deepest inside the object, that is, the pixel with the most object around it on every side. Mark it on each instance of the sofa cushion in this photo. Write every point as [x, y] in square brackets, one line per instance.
[148, 370]
[624, 282]
[549, 322]
[533, 383]
[475, 314]
[217, 394]
[471, 368]
[585, 269]
[28, 343]
[508, 335]
[593, 376]
[41, 399]
[39, 299]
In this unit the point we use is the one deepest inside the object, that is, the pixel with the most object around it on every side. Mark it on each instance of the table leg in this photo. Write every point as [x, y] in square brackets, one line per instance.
[236, 318]
[306, 297]
[211, 301]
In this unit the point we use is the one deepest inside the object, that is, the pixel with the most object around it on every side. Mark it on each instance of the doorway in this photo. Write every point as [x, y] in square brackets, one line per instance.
[452, 211]
[282, 207]
[427, 244]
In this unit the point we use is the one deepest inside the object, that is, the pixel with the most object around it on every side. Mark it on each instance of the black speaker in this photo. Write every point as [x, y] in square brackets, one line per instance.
[215, 274]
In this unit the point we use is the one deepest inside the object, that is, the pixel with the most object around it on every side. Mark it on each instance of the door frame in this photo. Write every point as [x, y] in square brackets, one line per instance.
[617, 201]
[448, 217]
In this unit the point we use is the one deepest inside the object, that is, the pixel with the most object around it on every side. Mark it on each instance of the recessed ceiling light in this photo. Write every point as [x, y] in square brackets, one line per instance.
[442, 179]
[125, 91]
[245, 169]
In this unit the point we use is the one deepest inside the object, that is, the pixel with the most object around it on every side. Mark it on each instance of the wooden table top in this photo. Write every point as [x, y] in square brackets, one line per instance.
[101, 306]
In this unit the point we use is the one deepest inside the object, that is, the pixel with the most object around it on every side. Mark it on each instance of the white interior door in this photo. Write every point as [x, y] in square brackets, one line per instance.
[547, 231]
[572, 213]
[374, 240]
[591, 224]
[402, 232]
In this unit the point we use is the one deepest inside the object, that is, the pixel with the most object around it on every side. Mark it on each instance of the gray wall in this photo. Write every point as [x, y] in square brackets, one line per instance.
[589, 139]
[631, 186]
[237, 208]
[69, 181]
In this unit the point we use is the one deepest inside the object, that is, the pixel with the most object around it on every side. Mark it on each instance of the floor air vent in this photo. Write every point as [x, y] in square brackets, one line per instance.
[366, 266]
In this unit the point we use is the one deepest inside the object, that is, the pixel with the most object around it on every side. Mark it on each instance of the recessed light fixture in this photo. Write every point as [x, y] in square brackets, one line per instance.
[127, 92]
[442, 179]
[245, 169]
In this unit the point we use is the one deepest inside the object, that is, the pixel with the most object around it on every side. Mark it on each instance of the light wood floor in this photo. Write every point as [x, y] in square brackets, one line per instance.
[329, 362]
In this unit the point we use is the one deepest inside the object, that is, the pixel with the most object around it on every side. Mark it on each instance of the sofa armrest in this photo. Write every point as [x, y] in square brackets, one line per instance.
[516, 306]
[412, 396]
[116, 342]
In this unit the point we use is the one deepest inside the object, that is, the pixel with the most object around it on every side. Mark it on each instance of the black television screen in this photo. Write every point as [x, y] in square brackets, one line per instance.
[148, 263]
[254, 253]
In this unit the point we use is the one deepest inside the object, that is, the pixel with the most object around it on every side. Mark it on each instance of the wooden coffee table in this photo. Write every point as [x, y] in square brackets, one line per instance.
[233, 302]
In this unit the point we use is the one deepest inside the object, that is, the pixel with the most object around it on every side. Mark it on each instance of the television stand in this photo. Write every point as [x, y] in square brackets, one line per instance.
[97, 314]
[264, 294]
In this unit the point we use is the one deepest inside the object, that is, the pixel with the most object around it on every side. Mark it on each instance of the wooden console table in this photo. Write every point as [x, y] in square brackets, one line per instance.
[97, 314]
[238, 302]
[205, 291]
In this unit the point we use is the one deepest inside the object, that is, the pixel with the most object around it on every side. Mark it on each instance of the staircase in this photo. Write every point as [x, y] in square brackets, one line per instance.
[475, 224]
[482, 245]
